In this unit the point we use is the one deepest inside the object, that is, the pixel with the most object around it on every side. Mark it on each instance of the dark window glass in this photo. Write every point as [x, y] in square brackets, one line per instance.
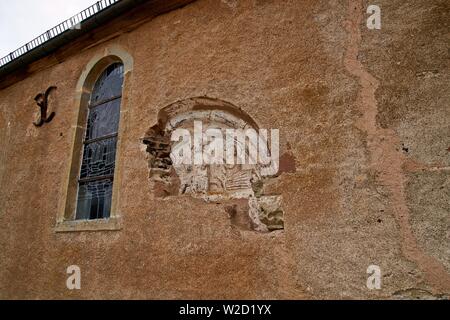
[99, 158]
[94, 199]
[99, 152]
[109, 84]
[103, 120]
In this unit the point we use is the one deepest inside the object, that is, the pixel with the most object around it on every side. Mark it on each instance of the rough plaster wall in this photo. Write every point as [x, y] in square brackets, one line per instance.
[412, 105]
[345, 100]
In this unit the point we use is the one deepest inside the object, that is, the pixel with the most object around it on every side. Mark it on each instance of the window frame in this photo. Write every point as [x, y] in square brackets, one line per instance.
[66, 218]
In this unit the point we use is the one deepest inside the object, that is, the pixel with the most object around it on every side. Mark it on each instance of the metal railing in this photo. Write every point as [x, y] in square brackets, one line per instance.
[71, 23]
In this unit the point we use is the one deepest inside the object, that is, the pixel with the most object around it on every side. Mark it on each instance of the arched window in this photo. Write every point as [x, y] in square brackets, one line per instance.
[95, 181]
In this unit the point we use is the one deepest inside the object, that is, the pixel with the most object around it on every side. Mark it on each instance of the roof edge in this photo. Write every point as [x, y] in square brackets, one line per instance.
[72, 28]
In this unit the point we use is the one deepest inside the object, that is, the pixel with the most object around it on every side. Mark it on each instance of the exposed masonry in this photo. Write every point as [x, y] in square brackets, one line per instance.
[239, 187]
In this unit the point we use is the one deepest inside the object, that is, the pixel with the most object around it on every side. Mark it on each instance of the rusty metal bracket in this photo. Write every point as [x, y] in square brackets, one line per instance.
[42, 101]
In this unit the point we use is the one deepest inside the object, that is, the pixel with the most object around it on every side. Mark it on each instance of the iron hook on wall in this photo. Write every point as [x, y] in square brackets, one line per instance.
[42, 101]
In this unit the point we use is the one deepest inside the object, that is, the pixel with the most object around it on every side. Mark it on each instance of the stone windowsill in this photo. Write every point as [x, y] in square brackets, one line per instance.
[111, 224]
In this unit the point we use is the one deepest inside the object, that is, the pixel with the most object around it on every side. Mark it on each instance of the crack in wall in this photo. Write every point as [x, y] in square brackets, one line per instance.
[385, 158]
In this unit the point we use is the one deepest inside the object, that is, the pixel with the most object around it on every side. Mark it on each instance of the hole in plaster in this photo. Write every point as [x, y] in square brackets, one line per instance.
[239, 187]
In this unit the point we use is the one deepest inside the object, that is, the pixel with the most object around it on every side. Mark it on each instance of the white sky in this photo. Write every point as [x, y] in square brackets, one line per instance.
[23, 20]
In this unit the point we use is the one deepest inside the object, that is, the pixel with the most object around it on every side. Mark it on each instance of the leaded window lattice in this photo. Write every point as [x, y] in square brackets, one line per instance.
[99, 146]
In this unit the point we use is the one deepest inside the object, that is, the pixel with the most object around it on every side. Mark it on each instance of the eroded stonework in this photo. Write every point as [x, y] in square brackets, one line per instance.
[212, 182]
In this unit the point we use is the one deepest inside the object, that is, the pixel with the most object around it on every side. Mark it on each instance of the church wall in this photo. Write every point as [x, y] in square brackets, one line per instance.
[364, 154]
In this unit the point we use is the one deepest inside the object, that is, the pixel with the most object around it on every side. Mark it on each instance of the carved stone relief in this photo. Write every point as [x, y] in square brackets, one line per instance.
[212, 182]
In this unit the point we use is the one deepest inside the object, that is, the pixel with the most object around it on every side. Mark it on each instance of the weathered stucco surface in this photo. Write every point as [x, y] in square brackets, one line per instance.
[364, 132]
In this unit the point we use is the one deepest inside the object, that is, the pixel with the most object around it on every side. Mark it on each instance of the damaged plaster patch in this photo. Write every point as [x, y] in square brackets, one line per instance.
[212, 182]
[385, 156]
[267, 211]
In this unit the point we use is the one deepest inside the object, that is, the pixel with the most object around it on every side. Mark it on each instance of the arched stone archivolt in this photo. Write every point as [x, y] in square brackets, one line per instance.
[239, 184]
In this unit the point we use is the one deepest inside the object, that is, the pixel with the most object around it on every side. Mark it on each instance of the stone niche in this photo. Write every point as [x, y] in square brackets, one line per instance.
[240, 187]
